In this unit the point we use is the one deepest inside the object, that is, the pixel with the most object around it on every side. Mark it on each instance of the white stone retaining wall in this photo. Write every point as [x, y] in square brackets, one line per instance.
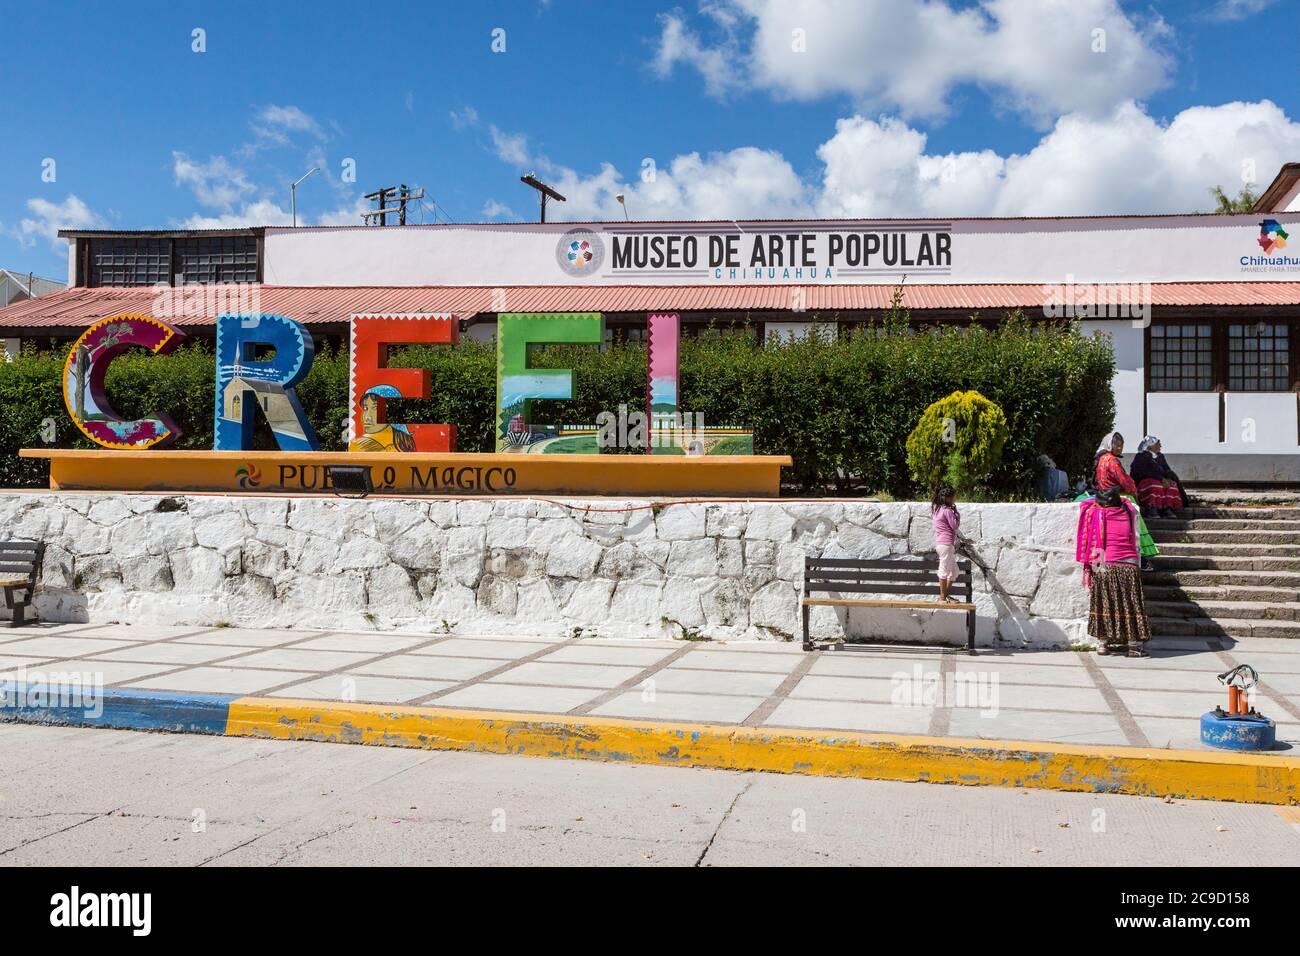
[628, 569]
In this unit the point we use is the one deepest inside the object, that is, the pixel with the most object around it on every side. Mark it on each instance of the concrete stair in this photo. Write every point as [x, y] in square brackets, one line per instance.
[1227, 570]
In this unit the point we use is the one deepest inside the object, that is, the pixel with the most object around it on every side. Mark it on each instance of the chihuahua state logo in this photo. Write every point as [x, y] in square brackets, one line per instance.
[580, 253]
[1272, 237]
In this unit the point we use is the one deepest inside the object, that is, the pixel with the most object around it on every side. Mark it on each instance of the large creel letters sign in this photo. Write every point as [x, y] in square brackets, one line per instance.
[371, 383]
[83, 381]
[262, 357]
[246, 387]
[517, 384]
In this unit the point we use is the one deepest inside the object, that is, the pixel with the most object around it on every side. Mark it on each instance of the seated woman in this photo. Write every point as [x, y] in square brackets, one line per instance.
[1107, 547]
[1109, 473]
[1159, 491]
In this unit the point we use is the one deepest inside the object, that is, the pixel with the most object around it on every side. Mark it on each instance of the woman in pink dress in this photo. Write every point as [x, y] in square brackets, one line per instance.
[1107, 547]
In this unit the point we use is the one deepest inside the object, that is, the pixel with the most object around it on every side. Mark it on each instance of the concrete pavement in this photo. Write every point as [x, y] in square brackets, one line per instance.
[1062, 720]
[1048, 696]
[81, 796]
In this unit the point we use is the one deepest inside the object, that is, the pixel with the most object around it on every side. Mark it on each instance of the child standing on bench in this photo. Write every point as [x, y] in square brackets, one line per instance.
[947, 521]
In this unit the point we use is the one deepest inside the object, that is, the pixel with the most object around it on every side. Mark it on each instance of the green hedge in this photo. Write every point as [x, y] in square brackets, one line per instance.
[842, 409]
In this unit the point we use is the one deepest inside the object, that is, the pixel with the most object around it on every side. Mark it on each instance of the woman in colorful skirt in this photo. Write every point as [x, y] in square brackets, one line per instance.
[1108, 473]
[1160, 493]
[1107, 546]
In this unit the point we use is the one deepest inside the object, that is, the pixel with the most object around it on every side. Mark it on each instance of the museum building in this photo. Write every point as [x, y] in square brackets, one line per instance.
[1203, 309]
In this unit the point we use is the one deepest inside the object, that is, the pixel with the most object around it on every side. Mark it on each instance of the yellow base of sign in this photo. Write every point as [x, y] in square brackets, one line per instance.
[263, 472]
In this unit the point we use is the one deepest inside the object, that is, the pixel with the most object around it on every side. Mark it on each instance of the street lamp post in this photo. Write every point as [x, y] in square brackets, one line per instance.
[293, 193]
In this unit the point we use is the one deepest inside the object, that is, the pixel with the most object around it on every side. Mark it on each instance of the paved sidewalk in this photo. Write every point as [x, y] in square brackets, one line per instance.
[1058, 697]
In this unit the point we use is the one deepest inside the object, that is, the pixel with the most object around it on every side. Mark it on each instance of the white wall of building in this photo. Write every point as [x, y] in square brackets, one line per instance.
[1291, 202]
[1185, 422]
[1049, 251]
[1255, 423]
[483, 331]
[1128, 343]
[1260, 423]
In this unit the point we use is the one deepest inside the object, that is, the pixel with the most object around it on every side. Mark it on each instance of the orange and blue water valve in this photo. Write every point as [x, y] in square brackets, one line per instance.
[1241, 726]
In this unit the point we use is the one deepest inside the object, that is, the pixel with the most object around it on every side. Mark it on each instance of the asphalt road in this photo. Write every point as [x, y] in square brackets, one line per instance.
[105, 797]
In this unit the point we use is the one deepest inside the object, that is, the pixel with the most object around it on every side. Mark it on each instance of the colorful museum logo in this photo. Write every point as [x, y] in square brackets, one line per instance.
[1272, 237]
[249, 476]
[580, 253]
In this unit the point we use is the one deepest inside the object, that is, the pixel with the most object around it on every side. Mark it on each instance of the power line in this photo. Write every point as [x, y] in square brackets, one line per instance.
[437, 208]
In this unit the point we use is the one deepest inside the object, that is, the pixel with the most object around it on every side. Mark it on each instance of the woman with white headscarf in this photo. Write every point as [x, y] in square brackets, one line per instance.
[1108, 472]
[1159, 492]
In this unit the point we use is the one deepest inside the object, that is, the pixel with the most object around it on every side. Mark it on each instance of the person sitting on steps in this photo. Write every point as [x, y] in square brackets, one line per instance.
[1160, 493]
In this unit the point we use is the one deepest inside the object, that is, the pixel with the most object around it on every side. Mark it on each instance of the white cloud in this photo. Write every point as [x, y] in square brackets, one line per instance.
[463, 118]
[1124, 162]
[1228, 10]
[1036, 56]
[496, 210]
[277, 124]
[510, 147]
[227, 188]
[716, 64]
[49, 217]
[263, 212]
[218, 183]
[348, 214]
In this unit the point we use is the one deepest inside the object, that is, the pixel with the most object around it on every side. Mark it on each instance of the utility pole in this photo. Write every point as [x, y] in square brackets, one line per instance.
[544, 193]
[402, 193]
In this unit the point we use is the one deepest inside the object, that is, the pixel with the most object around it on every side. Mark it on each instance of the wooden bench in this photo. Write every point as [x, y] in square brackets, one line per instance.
[838, 576]
[19, 563]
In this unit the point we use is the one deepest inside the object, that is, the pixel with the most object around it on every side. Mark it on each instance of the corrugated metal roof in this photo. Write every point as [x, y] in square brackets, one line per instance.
[199, 306]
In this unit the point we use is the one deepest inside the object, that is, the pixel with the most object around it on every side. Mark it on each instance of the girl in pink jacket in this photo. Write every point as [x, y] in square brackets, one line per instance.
[947, 523]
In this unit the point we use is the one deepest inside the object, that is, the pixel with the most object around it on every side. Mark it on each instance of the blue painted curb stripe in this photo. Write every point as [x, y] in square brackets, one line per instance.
[124, 708]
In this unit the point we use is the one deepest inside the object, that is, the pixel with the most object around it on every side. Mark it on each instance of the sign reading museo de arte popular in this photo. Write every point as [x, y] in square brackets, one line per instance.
[921, 251]
[774, 254]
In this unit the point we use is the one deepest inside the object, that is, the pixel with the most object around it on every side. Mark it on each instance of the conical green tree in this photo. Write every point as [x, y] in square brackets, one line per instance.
[959, 440]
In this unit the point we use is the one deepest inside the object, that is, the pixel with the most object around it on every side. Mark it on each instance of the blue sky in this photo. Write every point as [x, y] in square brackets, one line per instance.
[694, 110]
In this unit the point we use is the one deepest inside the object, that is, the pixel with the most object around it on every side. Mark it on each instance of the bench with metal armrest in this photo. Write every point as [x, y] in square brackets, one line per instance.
[842, 579]
[20, 561]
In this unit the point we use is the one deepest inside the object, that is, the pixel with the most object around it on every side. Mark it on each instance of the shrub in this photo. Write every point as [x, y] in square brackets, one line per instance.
[842, 408]
[959, 439]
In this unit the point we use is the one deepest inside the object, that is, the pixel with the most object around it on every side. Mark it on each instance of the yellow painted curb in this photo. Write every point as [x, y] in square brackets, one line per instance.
[1247, 778]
